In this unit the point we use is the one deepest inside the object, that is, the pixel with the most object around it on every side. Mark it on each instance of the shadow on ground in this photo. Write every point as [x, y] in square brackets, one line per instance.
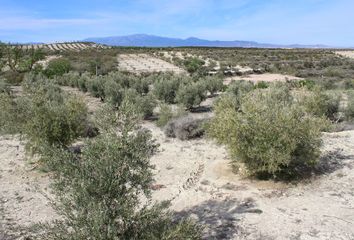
[219, 218]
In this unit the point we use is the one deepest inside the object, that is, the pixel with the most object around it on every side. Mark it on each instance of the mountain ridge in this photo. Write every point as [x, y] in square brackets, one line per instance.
[145, 40]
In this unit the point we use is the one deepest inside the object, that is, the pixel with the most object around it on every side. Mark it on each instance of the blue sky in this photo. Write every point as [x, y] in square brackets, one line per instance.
[271, 21]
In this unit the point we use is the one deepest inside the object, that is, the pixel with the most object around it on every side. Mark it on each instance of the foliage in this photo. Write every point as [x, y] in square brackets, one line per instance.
[57, 67]
[213, 84]
[193, 64]
[4, 87]
[99, 191]
[320, 104]
[191, 95]
[166, 89]
[167, 113]
[144, 104]
[269, 132]
[349, 112]
[54, 123]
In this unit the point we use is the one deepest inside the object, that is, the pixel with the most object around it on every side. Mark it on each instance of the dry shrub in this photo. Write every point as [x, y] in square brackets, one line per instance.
[185, 128]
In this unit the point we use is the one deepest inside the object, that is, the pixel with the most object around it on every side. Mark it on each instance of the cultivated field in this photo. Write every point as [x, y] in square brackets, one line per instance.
[143, 63]
[71, 46]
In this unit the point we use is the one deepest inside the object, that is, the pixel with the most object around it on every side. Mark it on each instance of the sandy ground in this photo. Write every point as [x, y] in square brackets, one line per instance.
[266, 77]
[197, 178]
[23, 192]
[349, 54]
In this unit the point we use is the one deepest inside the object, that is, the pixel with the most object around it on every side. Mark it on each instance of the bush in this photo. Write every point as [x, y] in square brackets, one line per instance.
[166, 89]
[100, 191]
[57, 67]
[349, 112]
[185, 128]
[322, 104]
[12, 114]
[113, 93]
[270, 133]
[167, 113]
[239, 89]
[213, 84]
[144, 104]
[95, 85]
[193, 64]
[4, 87]
[54, 123]
[191, 95]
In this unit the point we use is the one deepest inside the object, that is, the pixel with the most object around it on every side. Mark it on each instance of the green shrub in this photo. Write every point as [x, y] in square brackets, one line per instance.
[113, 93]
[57, 67]
[95, 85]
[54, 123]
[4, 87]
[167, 113]
[166, 89]
[321, 104]
[270, 133]
[213, 84]
[144, 104]
[240, 88]
[349, 112]
[193, 64]
[191, 95]
[100, 191]
[12, 114]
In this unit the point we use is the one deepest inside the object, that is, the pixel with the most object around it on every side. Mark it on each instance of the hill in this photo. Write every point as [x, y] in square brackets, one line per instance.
[144, 40]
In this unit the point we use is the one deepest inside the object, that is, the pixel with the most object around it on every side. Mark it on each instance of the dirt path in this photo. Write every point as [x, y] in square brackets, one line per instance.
[196, 177]
[23, 190]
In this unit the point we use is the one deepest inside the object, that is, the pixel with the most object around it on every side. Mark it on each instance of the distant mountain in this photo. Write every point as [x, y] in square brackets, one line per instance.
[144, 40]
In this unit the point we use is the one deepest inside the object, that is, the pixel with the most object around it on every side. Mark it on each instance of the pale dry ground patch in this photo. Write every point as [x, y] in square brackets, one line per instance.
[46, 60]
[196, 176]
[349, 54]
[266, 77]
[144, 63]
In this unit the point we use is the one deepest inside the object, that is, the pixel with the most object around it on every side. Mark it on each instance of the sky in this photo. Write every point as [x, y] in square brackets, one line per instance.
[329, 22]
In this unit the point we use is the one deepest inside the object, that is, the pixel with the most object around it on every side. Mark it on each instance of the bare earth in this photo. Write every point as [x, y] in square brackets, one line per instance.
[266, 77]
[349, 54]
[141, 63]
[197, 178]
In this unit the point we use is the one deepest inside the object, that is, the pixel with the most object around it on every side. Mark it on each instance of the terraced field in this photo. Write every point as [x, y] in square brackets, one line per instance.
[144, 63]
[75, 46]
